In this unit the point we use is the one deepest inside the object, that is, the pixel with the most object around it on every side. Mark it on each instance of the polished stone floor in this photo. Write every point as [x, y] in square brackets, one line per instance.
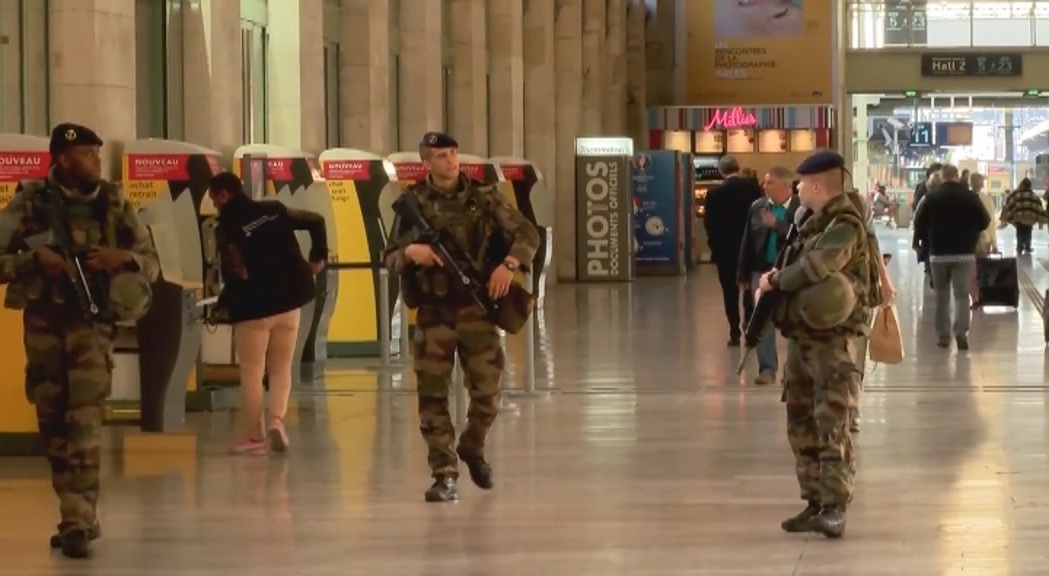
[641, 454]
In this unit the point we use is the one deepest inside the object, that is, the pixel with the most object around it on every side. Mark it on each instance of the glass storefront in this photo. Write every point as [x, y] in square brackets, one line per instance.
[874, 24]
[25, 67]
[332, 73]
[151, 24]
[997, 135]
[254, 52]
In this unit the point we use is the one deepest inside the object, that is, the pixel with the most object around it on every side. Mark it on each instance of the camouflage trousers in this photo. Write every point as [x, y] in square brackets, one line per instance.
[861, 369]
[69, 373]
[820, 378]
[441, 333]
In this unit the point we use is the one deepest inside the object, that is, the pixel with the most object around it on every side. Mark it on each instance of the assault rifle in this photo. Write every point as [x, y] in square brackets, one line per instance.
[87, 284]
[509, 312]
[769, 301]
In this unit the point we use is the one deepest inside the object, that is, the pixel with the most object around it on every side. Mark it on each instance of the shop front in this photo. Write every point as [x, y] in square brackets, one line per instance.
[759, 137]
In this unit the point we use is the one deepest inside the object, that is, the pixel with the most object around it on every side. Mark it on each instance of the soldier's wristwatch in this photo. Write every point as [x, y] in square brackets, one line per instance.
[510, 265]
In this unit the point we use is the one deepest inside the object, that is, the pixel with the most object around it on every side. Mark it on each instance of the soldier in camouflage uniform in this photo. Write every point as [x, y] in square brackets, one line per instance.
[475, 215]
[69, 367]
[826, 305]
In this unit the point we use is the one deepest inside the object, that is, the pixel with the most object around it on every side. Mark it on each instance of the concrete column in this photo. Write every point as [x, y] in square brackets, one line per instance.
[506, 77]
[365, 75]
[540, 82]
[595, 67]
[93, 70]
[636, 75]
[296, 75]
[661, 54]
[420, 76]
[468, 93]
[212, 75]
[616, 96]
[568, 58]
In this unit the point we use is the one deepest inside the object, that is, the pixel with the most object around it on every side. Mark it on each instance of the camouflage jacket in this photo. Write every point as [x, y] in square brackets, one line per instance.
[481, 222]
[102, 218]
[835, 240]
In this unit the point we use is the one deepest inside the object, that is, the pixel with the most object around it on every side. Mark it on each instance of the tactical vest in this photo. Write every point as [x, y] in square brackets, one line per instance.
[95, 222]
[858, 269]
[467, 219]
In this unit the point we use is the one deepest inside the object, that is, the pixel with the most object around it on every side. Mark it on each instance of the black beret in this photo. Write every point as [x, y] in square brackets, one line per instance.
[66, 135]
[438, 140]
[820, 162]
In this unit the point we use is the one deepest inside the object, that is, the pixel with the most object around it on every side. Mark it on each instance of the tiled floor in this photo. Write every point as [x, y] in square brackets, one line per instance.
[644, 455]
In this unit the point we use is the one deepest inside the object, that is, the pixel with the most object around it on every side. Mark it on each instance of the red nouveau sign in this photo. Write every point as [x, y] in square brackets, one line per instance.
[734, 118]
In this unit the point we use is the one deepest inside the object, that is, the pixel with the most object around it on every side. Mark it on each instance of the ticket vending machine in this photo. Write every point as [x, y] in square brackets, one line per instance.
[21, 158]
[530, 195]
[154, 361]
[362, 187]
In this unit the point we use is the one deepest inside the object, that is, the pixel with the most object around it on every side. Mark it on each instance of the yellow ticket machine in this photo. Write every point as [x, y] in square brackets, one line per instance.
[21, 158]
[530, 194]
[362, 187]
[155, 377]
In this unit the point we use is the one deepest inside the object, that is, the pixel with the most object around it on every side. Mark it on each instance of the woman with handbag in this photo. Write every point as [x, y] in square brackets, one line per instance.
[266, 283]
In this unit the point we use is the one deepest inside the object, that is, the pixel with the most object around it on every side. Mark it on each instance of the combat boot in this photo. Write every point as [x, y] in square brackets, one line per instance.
[93, 534]
[480, 470]
[444, 489]
[830, 522]
[803, 521]
[76, 543]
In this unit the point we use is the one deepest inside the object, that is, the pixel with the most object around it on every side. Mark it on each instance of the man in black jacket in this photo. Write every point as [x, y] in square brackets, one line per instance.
[727, 209]
[769, 221]
[950, 220]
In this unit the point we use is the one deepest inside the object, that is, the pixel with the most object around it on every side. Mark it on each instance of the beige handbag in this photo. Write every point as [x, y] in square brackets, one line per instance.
[886, 342]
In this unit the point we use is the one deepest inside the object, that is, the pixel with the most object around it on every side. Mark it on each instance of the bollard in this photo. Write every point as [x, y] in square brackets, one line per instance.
[405, 340]
[384, 316]
[529, 347]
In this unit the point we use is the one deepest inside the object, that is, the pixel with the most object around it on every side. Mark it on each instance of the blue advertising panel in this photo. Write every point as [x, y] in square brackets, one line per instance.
[658, 222]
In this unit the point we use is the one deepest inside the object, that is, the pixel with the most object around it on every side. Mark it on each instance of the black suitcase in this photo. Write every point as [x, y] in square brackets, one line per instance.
[997, 280]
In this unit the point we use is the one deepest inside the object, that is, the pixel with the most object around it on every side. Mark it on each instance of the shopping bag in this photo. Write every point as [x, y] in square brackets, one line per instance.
[886, 342]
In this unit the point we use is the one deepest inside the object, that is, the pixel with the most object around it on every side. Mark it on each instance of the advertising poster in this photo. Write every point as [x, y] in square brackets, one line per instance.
[658, 225]
[760, 52]
[18, 166]
[604, 219]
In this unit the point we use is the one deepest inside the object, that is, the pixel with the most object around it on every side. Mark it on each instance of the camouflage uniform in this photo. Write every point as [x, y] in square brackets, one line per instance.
[820, 374]
[69, 368]
[448, 322]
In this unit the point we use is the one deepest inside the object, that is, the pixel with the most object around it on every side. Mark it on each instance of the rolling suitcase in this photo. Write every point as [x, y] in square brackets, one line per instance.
[997, 280]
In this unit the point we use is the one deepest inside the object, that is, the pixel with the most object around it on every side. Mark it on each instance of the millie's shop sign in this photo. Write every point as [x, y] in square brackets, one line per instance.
[604, 212]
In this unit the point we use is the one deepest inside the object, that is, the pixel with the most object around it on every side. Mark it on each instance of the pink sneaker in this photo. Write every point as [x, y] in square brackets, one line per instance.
[248, 445]
[278, 436]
